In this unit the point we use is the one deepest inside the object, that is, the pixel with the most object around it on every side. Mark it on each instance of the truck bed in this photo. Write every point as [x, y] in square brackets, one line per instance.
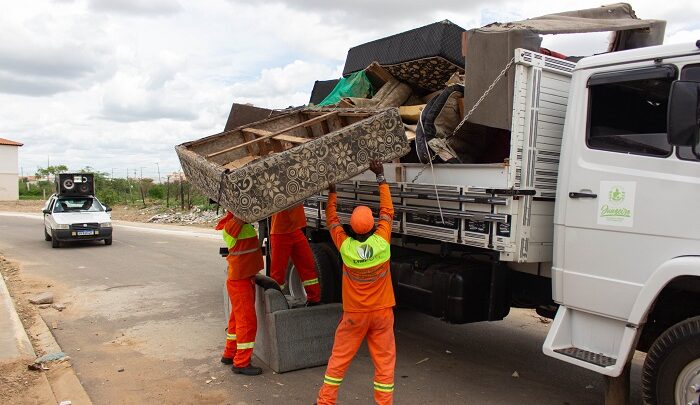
[505, 207]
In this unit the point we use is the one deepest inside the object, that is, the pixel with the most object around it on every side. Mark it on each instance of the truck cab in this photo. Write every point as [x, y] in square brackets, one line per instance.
[626, 261]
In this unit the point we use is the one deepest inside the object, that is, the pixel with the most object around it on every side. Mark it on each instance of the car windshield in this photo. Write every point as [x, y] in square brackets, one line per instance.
[77, 204]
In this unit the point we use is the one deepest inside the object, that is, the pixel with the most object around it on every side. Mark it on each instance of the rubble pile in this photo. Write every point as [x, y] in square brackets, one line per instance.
[194, 216]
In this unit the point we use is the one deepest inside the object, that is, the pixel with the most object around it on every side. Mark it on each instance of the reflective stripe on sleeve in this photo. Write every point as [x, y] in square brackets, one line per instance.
[230, 336]
[383, 387]
[243, 346]
[332, 380]
[386, 218]
[310, 282]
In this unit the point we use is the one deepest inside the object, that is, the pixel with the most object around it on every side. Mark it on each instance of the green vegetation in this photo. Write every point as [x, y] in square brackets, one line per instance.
[133, 191]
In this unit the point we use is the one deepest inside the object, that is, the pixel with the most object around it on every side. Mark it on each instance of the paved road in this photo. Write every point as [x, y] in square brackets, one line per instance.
[151, 304]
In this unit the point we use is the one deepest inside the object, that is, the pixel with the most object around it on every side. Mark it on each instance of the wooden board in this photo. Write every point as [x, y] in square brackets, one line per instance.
[238, 163]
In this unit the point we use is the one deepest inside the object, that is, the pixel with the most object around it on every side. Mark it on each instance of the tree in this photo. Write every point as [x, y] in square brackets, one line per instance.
[50, 170]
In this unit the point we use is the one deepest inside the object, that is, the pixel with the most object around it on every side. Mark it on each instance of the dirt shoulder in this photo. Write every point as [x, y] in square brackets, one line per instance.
[151, 214]
[51, 382]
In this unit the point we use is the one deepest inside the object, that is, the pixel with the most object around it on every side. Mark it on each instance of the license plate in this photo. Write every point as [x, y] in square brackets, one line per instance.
[86, 233]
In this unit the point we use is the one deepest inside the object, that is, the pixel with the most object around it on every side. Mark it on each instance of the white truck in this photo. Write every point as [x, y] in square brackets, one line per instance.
[592, 219]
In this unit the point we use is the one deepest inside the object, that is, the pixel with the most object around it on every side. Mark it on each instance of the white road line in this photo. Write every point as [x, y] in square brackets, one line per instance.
[197, 234]
[22, 215]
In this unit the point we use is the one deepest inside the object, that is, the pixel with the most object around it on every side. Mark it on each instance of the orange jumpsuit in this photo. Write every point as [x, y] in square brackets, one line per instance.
[368, 298]
[244, 262]
[288, 240]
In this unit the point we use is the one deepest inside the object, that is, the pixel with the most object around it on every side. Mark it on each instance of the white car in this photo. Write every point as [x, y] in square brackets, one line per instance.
[76, 218]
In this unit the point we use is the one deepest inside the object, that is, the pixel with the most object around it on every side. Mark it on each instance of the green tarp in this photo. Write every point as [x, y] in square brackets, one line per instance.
[355, 85]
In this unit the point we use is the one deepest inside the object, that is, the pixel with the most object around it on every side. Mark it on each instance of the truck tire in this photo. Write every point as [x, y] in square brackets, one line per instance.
[337, 268]
[54, 242]
[108, 241]
[671, 373]
[326, 267]
[47, 237]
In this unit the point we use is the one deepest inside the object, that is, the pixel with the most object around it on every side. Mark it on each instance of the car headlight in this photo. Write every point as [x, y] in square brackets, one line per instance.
[105, 224]
[62, 226]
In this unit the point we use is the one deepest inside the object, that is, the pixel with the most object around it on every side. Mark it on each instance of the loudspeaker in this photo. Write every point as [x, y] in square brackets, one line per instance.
[75, 184]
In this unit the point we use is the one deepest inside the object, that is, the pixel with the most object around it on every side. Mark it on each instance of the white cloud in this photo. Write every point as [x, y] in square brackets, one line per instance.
[296, 77]
[137, 7]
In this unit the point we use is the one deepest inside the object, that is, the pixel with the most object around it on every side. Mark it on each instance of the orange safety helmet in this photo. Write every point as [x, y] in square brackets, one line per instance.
[362, 220]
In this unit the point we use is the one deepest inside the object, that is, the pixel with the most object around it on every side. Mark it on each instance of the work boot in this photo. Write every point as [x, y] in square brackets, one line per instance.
[250, 369]
[226, 360]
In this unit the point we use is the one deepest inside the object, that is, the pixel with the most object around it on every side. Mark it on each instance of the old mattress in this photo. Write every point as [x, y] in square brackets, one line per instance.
[267, 166]
[423, 57]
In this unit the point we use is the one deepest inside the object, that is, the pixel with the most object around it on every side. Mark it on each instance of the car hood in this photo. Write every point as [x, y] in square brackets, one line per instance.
[78, 217]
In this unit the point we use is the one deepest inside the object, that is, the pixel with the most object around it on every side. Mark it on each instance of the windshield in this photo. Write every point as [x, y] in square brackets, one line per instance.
[77, 204]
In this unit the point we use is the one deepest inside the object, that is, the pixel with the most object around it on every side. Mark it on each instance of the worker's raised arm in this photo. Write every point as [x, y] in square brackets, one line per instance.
[386, 206]
[332, 221]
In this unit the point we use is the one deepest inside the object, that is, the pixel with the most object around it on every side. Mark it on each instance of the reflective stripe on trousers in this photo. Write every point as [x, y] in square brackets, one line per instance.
[384, 387]
[332, 380]
[310, 282]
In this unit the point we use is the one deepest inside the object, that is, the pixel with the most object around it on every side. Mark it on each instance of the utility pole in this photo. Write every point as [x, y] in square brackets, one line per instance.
[143, 195]
[158, 167]
[167, 192]
[128, 185]
[182, 193]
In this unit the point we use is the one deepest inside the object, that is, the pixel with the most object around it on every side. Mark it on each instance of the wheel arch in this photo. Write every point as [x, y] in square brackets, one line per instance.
[671, 295]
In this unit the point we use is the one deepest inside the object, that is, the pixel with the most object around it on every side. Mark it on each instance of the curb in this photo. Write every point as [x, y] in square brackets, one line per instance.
[64, 382]
[61, 380]
[22, 347]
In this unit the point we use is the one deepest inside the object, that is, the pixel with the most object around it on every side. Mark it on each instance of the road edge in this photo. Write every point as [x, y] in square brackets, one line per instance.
[61, 381]
[64, 382]
[22, 343]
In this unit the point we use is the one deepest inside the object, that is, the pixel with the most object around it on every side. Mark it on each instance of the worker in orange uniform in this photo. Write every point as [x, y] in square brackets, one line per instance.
[287, 240]
[368, 296]
[244, 262]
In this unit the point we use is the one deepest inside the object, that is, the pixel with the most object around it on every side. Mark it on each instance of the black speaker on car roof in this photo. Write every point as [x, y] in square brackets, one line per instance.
[75, 184]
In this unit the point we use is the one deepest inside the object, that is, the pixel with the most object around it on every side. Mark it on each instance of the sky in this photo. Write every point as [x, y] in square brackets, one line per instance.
[116, 84]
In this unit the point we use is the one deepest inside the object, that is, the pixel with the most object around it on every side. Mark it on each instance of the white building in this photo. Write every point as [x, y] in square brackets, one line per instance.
[9, 178]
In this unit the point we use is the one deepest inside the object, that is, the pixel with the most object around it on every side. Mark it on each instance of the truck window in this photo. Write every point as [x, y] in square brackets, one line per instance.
[692, 73]
[627, 111]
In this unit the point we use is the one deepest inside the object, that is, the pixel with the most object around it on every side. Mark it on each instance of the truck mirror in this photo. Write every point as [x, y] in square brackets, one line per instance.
[684, 114]
[47, 211]
[108, 208]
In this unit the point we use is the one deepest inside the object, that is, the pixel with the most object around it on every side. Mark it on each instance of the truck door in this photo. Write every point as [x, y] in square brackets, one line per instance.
[625, 194]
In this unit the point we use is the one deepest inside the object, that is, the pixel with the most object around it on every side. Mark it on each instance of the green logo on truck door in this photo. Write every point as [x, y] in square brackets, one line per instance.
[617, 208]
[616, 195]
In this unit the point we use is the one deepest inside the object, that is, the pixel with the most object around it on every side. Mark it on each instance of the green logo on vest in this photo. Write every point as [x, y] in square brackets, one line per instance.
[365, 251]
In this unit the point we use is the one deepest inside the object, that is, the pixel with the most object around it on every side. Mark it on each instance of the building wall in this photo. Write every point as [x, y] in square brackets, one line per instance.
[9, 177]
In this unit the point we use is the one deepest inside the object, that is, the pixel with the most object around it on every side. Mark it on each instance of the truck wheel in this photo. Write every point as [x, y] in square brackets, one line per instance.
[671, 372]
[54, 242]
[108, 241]
[47, 237]
[336, 269]
[326, 267]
